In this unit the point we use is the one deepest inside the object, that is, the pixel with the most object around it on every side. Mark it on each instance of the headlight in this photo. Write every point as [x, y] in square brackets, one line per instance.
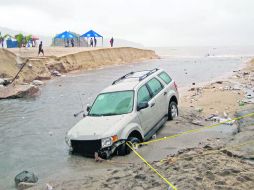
[106, 142]
[67, 140]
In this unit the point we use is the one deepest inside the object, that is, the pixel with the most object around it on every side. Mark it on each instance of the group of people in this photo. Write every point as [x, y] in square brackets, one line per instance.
[93, 42]
[72, 42]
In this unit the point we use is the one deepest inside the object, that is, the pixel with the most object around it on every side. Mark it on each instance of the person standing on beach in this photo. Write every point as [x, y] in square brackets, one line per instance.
[40, 49]
[95, 42]
[91, 42]
[72, 42]
[111, 42]
[68, 42]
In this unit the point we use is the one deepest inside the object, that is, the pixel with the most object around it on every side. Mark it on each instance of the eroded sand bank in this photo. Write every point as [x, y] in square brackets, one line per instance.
[56, 62]
[65, 60]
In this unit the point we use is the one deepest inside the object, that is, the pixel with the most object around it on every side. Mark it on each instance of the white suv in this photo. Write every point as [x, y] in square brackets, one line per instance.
[132, 109]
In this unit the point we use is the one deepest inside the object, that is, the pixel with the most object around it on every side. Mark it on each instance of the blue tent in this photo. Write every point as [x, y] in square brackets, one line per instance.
[66, 35]
[91, 34]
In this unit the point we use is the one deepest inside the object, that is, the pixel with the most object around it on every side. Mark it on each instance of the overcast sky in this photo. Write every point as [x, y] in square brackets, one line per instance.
[150, 22]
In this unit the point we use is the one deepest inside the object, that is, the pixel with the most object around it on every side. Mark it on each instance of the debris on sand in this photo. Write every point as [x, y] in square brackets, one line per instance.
[1, 81]
[225, 120]
[25, 185]
[56, 73]
[49, 187]
[37, 82]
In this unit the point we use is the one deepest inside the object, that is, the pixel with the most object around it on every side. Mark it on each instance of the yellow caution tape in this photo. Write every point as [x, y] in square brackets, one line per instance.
[161, 176]
[196, 130]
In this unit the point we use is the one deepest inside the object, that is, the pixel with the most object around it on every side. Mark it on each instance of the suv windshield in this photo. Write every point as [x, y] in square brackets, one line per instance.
[112, 103]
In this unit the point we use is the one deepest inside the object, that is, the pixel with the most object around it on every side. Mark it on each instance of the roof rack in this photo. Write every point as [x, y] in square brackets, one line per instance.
[123, 77]
[139, 78]
[148, 74]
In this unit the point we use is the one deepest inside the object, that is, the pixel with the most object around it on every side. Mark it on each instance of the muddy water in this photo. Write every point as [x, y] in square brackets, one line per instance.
[32, 130]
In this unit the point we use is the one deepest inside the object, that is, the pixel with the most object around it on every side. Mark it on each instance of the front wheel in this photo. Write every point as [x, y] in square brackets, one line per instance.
[172, 110]
[124, 149]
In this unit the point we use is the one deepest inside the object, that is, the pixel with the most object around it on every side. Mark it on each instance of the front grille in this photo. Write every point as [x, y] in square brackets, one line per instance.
[86, 147]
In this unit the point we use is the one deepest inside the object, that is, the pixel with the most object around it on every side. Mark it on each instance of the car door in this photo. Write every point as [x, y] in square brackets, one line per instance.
[146, 115]
[160, 96]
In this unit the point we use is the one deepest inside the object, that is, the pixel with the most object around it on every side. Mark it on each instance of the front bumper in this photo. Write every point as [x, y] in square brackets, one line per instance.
[86, 147]
[90, 147]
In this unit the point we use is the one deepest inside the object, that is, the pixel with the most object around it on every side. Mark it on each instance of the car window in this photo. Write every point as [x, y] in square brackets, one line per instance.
[112, 103]
[164, 76]
[155, 86]
[143, 95]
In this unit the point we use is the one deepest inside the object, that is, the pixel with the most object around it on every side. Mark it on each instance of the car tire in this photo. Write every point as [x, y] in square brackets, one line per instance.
[172, 110]
[124, 149]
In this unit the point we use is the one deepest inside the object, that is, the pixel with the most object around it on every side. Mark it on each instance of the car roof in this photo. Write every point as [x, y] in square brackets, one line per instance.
[131, 80]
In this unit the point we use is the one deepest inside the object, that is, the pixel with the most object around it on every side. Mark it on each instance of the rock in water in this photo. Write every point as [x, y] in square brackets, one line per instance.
[18, 91]
[25, 176]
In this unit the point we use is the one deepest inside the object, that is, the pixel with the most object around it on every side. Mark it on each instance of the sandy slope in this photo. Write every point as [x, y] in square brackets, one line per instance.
[66, 60]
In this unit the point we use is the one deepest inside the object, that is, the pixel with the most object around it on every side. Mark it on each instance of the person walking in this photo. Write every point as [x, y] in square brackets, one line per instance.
[91, 42]
[40, 49]
[2, 41]
[95, 42]
[111, 42]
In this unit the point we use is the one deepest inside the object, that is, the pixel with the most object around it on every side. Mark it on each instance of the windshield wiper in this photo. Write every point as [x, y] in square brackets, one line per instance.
[103, 114]
[109, 114]
[93, 114]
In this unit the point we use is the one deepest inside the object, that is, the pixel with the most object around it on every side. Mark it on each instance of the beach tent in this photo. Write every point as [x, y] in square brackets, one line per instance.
[66, 35]
[92, 34]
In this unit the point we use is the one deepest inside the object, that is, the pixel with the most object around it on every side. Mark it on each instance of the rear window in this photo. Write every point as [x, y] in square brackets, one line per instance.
[155, 86]
[164, 76]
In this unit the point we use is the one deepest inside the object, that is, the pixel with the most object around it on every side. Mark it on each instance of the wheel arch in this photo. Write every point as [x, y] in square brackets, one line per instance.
[132, 129]
[173, 99]
[136, 134]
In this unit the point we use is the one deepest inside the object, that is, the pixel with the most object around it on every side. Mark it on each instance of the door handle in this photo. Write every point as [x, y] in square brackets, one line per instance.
[165, 93]
[152, 104]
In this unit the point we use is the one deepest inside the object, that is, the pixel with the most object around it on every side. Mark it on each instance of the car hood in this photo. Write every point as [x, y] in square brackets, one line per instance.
[91, 128]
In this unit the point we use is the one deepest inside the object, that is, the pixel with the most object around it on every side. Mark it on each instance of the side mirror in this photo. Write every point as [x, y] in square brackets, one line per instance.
[142, 105]
[88, 108]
